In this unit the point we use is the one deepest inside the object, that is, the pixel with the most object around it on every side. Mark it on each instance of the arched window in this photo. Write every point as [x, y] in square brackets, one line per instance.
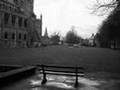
[6, 18]
[25, 23]
[20, 36]
[13, 36]
[13, 19]
[6, 35]
[20, 21]
[25, 36]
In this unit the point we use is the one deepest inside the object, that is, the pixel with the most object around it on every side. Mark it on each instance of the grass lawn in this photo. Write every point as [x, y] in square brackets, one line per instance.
[93, 59]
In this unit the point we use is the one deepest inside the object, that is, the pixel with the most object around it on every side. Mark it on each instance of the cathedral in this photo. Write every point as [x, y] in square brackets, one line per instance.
[18, 24]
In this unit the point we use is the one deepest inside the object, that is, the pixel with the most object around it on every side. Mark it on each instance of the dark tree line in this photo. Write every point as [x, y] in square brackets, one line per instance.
[72, 37]
[109, 32]
[55, 39]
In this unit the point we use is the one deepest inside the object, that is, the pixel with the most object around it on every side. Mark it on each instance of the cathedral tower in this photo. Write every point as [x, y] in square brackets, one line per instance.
[46, 33]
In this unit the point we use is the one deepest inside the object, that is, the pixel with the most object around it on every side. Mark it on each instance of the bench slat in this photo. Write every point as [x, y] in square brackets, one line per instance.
[62, 67]
[65, 74]
[65, 71]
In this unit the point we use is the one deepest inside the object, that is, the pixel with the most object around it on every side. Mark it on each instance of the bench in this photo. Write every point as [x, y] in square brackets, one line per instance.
[60, 70]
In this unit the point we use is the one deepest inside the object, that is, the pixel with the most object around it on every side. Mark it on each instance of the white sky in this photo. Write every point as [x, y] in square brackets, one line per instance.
[60, 15]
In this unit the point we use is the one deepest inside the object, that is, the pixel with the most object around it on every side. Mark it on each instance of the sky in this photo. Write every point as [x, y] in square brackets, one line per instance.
[60, 15]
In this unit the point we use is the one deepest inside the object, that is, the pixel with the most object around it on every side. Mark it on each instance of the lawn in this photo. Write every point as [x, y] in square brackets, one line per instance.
[92, 59]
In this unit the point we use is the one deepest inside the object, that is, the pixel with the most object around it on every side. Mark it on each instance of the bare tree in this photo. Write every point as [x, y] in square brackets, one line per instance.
[109, 32]
[72, 37]
[102, 7]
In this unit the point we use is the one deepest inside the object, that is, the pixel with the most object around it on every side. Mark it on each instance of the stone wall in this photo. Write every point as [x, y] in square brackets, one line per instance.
[17, 23]
[13, 26]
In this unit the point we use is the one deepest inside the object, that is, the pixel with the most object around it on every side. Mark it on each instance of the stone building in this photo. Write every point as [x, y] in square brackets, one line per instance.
[38, 25]
[38, 32]
[17, 23]
[46, 33]
[45, 39]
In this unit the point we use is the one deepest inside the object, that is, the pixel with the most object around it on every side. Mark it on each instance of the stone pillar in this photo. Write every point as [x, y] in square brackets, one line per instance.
[2, 25]
[10, 20]
[23, 26]
[16, 32]
[16, 22]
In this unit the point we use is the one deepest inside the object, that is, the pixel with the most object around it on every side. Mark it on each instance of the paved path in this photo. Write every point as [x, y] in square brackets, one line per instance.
[61, 83]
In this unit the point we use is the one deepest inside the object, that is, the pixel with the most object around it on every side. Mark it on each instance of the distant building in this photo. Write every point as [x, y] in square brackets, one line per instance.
[46, 34]
[38, 32]
[17, 23]
[92, 40]
[45, 38]
[38, 26]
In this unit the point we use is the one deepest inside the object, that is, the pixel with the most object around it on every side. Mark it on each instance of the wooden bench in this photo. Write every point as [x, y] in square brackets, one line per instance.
[61, 70]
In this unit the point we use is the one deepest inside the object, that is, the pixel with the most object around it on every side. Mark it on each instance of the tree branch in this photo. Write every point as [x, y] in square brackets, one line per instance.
[105, 6]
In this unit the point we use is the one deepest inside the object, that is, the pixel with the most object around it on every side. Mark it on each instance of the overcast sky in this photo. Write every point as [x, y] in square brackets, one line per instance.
[61, 15]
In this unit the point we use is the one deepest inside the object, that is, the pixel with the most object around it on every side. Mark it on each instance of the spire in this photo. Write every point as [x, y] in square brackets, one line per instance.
[41, 25]
[46, 33]
[41, 17]
[92, 36]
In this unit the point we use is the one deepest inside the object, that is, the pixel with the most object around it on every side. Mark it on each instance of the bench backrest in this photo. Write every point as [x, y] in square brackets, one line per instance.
[61, 70]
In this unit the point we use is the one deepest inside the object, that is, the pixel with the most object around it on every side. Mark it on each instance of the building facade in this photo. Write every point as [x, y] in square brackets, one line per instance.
[92, 40]
[38, 26]
[45, 39]
[17, 23]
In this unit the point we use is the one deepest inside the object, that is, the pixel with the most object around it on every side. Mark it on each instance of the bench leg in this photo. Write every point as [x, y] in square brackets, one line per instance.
[44, 76]
[44, 79]
[76, 82]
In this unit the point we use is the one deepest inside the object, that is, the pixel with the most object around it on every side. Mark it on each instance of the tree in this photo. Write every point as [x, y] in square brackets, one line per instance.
[109, 32]
[72, 37]
[55, 38]
[101, 7]
[110, 29]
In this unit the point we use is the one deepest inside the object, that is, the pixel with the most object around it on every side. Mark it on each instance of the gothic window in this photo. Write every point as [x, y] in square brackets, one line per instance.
[20, 22]
[0, 6]
[6, 18]
[25, 36]
[25, 23]
[13, 19]
[6, 35]
[20, 36]
[13, 36]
